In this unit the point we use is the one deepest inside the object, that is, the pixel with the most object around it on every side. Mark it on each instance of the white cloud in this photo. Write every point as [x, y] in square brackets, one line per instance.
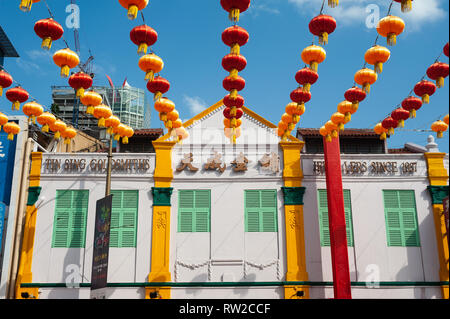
[27, 66]
[350, 12]
[262, 6]
[195, 104]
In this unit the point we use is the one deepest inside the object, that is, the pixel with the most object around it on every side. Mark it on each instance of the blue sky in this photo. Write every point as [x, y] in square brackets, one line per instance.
[191, 47]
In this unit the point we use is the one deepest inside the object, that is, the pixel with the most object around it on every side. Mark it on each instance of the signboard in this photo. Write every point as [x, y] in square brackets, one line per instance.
[370, 168]
[2, 222]
[99, 278]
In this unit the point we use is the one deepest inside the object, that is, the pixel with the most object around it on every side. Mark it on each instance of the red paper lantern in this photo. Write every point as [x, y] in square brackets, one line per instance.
[235, 37]
[143, 36]
[158, 87]
[48, 30]
[412, 104]
[300, 96]
[234, 63]
[234, 85]
[17, 96]
[236, 102]
[438, 72]
[5, 81]
[390, 124]
[355, 95]
[306, 77]
[231, 113]
[425, 89]
[446, 49]
[400, 115]
[235, 8]
[322, 26]
[80, 82]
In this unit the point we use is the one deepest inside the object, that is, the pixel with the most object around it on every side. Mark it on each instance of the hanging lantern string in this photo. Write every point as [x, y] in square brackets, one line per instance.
[323, 5]
[143, 18]
[412, 90]
[53, 17]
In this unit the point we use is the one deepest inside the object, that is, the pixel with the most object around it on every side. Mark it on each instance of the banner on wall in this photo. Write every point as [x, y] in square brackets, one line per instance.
[7, 157]
[100, 256]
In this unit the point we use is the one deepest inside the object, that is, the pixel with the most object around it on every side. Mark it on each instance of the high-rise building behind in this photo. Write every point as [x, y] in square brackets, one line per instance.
[128, 103]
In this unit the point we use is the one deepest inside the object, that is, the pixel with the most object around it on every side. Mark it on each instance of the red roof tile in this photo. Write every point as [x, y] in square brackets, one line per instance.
[149, 132]
[351, 132]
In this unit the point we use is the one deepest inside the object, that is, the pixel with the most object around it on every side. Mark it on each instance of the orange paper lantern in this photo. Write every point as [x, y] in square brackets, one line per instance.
[91, 99]
[102, 112]
[313, 56]
[390, 27]
[58, 127]
[32, 110]
[151, 64]
[46, 119]
[377, 56]
[66, 59]
[11, 129]
[366, 77]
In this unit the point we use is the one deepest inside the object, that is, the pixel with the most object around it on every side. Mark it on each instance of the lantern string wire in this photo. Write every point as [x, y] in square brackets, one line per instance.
[323, 5]
[412, 90]
[143, 18]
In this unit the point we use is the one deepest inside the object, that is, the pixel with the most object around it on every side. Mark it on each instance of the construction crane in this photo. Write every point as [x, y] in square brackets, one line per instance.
[86, 67]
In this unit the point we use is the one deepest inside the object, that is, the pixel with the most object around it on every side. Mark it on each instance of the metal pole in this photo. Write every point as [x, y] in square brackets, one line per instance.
[108, 170]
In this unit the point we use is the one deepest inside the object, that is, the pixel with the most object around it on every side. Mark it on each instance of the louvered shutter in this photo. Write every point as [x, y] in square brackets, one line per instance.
[261, 211]
[194, 211]
[69, 228]
[124, 218]
[401, 218]
[324, 225]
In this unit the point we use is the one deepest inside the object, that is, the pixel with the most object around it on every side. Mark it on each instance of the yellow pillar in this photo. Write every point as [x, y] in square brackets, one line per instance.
[163, 176]
[294, 220]
[438, 177]
[26, 256]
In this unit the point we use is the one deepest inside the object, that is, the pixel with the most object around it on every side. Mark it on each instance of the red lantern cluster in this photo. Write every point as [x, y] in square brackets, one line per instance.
[235, 37]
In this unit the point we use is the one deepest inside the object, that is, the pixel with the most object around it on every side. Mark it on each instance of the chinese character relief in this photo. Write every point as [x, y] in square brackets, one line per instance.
[186, 162]
[215, 163]
[270, 162]
[240, 163]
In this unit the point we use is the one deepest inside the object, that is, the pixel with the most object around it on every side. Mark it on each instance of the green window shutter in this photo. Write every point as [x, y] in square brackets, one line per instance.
[124, 213]
[401, 218]
[69, 230]
[194, 211]
[261, 211]
[324, 225]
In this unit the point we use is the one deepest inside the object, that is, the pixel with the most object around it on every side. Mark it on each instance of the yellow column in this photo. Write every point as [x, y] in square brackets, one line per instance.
[438, 176]
[294, 224]
[163, 176]
[26, 256]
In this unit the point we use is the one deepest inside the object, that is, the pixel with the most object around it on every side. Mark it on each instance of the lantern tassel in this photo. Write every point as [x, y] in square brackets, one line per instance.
[67, 141]
[440, 82]
[341, 127]
[142, 49]
[45, 128]
[25, 5]
[307, 87]
[47, 44]
[366, 88]
[333, 3]
[234, 74]
[16, 106]
[412, 114]
[234, 94]
[323, 39]
[383, 136]
[406, 5]
[90, 110]
[328, 138]
[391, 131]
[109, 130]
[101, 122]
[355, 106]
[65, 70]
[117, 137]
[125, 140]
[234, 15]
[163, 117]
[10, 136]
[314, 66]
[334, 134]
[392, 39]
[1, 90]
[57, 135]
[426, 99]
[157, 96]
[348, 117]
[80, 92]
[235, 49]
[401, 123]
[233, 111]
[440, 134]
[132, 12]
[301, 108]
[149, 76]
[379, 67]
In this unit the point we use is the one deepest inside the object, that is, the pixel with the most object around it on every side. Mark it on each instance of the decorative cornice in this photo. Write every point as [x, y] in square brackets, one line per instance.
[162, 196]
[293, 195]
